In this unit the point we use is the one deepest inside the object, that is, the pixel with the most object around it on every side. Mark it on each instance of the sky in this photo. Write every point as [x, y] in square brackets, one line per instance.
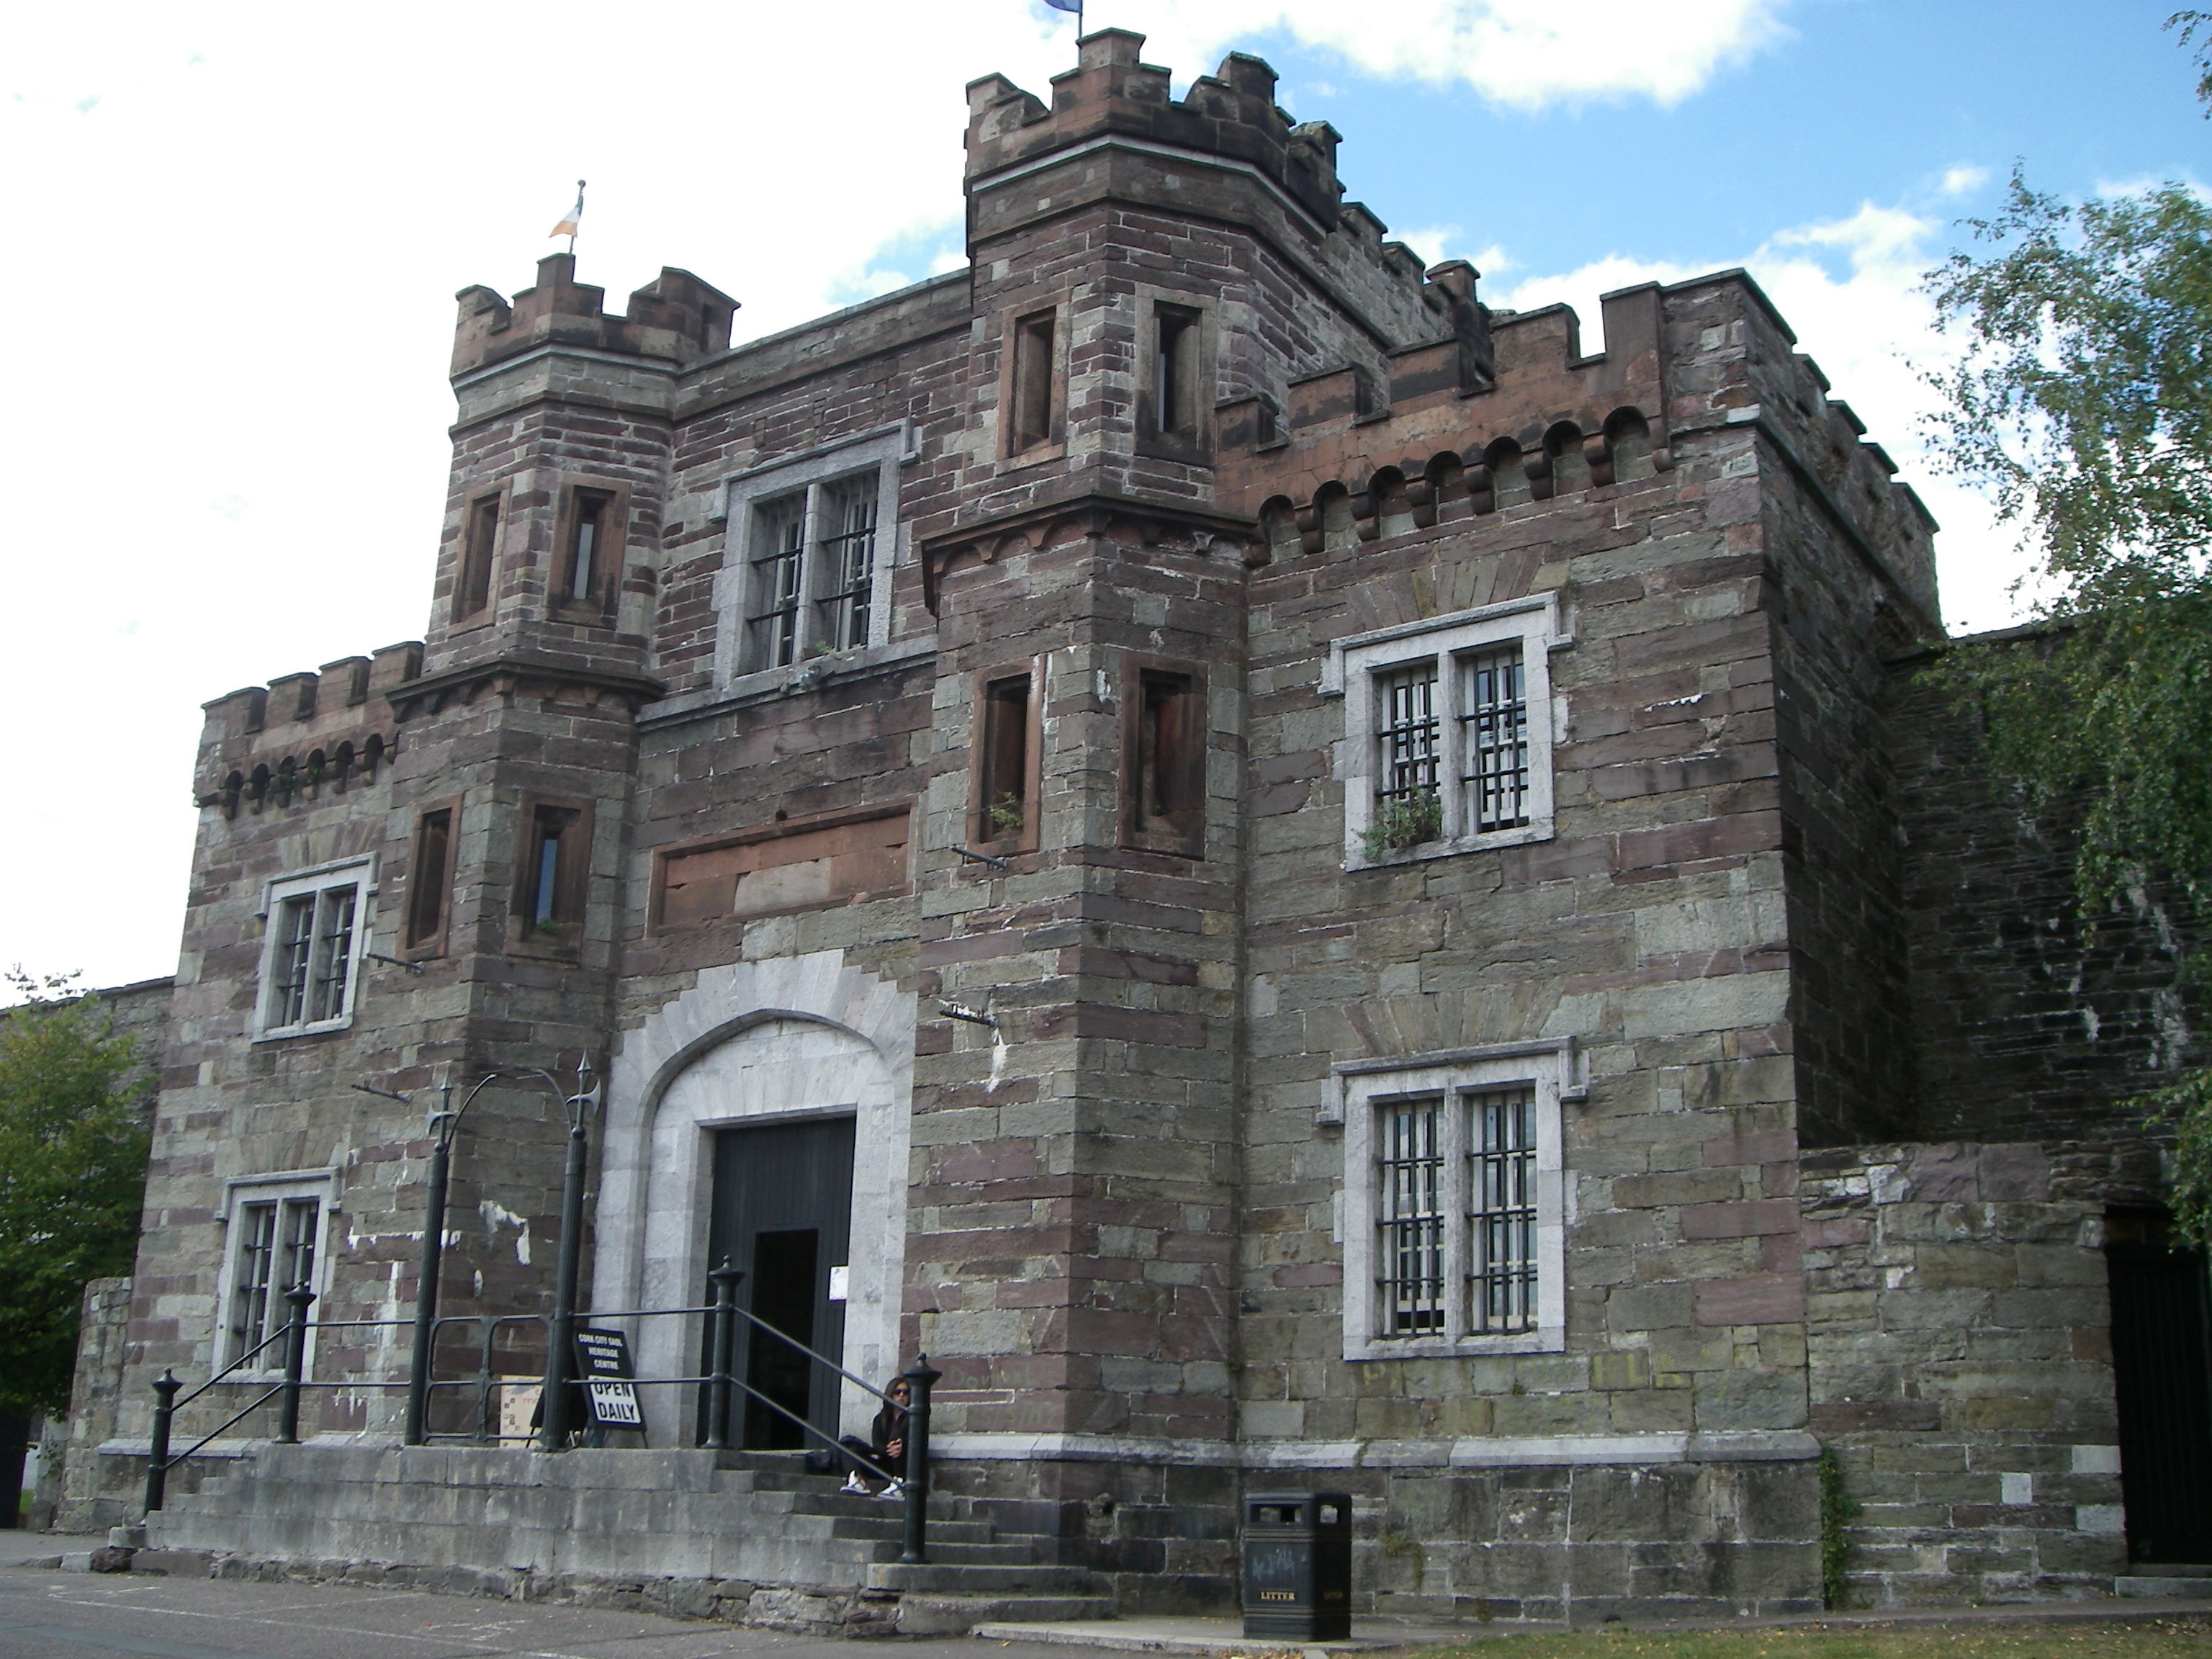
[232, 233]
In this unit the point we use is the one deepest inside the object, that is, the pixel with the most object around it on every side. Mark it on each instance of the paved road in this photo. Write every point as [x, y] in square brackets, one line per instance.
[74, 1615]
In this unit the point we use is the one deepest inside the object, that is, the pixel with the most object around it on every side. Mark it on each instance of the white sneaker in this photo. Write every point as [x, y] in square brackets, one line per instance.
[857, 1486]
[897, 1489]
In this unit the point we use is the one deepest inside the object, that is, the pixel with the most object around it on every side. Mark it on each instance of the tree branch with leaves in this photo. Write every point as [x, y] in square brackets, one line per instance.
[2082, 402]
[73, 1144]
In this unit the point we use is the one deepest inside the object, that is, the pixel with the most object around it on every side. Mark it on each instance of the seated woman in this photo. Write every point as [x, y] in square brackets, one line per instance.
[884, 1452]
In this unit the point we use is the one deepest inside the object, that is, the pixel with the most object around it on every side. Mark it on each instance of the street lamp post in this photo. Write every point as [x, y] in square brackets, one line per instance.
[444, 1124]
[555, 1395]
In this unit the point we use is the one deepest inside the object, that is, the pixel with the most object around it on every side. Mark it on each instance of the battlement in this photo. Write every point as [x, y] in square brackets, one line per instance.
[675, 317]
[1231, 112]
[303, 733]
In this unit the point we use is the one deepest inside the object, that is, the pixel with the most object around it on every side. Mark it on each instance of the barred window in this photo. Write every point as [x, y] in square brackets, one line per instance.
[1406, 700]
[313, 951]
[848, 561]
[816, 542]
[1413, 1219]
[1496, 716]
[778, 574]
[275, 1251]
[1501, 1224]
[1447, 732]
[1454, 1208]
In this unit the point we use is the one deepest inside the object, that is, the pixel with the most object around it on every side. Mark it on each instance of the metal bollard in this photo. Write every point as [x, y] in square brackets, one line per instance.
[918, 1376]
[157, 1462]
[722, 1349]
[295, 1362]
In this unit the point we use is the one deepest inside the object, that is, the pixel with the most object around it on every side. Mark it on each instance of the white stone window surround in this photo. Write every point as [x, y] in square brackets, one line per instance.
[1550, 1070]
[1355, 662]
[883, 450]
[849, 1042]
[360, 873]
[326, 1186]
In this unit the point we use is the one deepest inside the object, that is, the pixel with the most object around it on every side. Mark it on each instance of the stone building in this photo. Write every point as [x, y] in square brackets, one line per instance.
[1302, 881]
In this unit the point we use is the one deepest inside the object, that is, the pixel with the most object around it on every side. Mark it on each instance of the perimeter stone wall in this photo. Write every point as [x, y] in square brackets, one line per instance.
[1960, 1358]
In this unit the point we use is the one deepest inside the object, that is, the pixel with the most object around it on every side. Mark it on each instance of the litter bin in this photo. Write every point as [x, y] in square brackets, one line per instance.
[1298, 1565]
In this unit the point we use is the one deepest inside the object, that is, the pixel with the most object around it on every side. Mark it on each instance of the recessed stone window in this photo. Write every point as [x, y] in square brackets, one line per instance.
[806, 570]
[1448, 730]
[1454, 1202]
[316, 930]
[276, 1224]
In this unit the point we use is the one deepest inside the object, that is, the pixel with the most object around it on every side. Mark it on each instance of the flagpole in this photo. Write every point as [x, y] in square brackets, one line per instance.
[579, 217]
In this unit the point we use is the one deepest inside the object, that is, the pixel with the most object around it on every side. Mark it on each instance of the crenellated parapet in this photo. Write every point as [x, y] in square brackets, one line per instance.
[1225, 152]
[303, 735]
[1231, 112]
[675, 317]
[1507, 411]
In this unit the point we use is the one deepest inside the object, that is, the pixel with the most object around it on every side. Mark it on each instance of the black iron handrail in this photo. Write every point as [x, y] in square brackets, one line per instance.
[721, 1314]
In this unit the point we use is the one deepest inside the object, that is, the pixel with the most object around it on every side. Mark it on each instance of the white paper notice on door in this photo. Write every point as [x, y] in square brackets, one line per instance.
[837, 1279]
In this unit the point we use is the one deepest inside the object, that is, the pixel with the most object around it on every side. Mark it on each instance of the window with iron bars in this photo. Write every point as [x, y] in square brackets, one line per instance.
[274, 1250]
[848, 561]
[1502, 1212]
[315, 957]
[1413, 1219]
[1447, 732]
[1494, 712]
[1455, 1215]
[812, 571]
[779, 574]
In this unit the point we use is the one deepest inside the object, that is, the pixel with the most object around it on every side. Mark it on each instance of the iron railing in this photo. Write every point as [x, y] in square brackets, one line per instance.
[719, 1381]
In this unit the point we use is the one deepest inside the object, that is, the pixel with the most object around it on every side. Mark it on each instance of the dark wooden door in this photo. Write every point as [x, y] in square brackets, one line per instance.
[2162, 1374]
[783, 1213]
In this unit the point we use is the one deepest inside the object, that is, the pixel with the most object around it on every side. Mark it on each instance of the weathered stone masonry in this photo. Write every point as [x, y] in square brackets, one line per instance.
[1156, 501]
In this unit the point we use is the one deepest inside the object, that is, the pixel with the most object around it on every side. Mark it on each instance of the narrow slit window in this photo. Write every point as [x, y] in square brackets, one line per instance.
[553, 862]
[778, 580]
[848, 561]
[1175, 392]
[1032, 382]
[429, 877]
[590, 550]
[1497, 722]
[1501, 1224]
[479, 545]
[1410, 1211]
[1004, 775]
[1165, 762]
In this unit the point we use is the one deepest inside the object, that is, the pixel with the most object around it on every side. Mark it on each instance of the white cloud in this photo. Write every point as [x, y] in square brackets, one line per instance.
[1963, 181]
[1434, 243]
[1521, 57]
[1850, 288]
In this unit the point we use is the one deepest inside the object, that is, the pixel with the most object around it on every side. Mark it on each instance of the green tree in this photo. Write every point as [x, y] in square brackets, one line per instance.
[2083, 402]
[72, 1175]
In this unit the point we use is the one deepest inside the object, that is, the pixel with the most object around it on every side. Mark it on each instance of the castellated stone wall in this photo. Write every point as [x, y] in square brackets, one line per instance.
[1961, 1363]
[1063, 865]
[2031, 1022]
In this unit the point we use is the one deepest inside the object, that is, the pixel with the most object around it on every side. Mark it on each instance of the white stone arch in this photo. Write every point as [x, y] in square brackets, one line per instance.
[753, 1042]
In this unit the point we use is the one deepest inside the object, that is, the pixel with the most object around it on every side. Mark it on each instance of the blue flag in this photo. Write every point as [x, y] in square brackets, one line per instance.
[1075, 6]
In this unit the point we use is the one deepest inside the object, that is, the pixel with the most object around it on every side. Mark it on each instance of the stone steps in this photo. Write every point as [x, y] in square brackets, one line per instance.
[695, 1520]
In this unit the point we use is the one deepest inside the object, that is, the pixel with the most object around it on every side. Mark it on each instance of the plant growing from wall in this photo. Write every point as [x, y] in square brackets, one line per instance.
[1838, 1509]
[2082, 402]
[73, 1143]
[1402, 821]
[1003, 816]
